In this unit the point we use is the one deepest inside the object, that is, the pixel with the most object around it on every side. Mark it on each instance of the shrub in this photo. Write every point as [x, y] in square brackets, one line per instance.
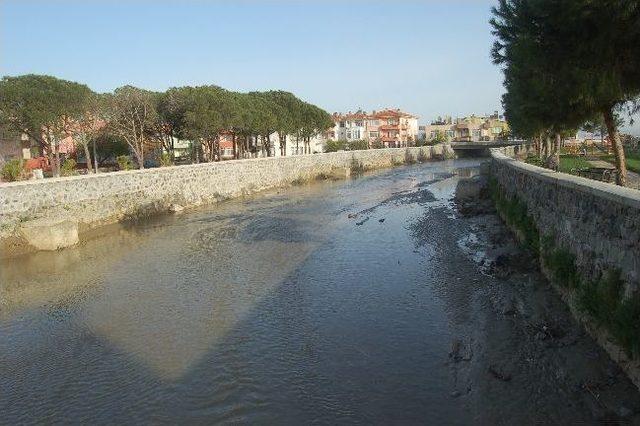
[408, 157]
[68, 167]
[165, 160]
[358, 145]
[377, 144]
[124, 162]
[13, 170]
[422, 157]
[334, 146]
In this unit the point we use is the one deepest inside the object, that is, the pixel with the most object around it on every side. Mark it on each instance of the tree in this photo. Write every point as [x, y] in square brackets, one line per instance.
[210, 111]
[88, 126]
[45, 108]
[566, 61]
[108, 147]
[132, 116]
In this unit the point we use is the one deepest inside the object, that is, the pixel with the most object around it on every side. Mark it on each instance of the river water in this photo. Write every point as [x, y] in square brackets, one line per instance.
[372, 300]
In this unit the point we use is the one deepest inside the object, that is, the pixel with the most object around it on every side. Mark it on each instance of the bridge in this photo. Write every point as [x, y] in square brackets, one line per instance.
[485, 144]
[481, 148]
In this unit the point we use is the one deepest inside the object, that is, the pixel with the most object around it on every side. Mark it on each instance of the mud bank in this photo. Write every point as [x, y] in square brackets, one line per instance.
[527, 345]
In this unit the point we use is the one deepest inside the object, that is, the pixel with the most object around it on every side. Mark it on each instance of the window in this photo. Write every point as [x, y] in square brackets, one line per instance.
[356, 134]
[450, 133]
[373, 122]
[374, 134]
[434, 134]
[358, 123]
[342, 124]
[348, 135]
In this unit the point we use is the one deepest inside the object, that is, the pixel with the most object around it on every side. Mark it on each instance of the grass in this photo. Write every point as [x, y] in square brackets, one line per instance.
[633, 160]
[569, 162]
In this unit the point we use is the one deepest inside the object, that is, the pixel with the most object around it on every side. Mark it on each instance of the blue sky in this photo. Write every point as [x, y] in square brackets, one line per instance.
[427, 57]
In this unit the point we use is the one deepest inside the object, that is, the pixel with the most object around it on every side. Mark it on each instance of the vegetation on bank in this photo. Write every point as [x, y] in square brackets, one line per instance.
[602, 300]
[557, 79]
[146, 124]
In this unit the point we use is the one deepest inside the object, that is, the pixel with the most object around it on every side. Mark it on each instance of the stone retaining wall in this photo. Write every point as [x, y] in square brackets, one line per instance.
[93, 200]
[598, 224]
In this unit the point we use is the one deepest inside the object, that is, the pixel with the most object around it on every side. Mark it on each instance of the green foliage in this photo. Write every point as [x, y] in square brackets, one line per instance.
[109, 147]
[13, 170]
[440, 137]
[358, 145]
[68, 167]
[571, 163]
[603, 300]
[124, 162]
[515, 213]
[409, 158]
[357, 168]
[534, 160]
[377, 144]
[335, 146]
[165, 160]
[561, 263]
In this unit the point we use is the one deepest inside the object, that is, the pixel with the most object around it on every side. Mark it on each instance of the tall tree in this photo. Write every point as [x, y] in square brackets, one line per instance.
[132, 116]
[560, 78]
[45, 108]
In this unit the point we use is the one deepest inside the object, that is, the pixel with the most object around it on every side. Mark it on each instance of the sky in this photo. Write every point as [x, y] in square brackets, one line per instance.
[427, 57]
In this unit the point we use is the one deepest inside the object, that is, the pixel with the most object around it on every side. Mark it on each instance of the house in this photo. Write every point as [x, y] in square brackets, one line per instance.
[390, 127]
[14, 145]
[466, 129]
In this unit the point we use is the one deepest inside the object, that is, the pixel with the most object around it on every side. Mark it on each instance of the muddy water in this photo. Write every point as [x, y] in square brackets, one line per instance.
[397, 297]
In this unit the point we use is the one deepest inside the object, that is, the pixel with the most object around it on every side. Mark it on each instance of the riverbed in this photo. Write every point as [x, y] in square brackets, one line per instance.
[394, 297]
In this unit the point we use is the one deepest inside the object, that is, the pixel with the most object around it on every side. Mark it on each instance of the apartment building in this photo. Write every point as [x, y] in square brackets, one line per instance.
[466, 129]
[390, 127]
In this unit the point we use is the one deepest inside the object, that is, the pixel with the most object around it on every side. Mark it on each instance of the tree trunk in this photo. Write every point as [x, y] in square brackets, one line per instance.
[56, 159]
[95, 157]
[558, 144]
[618, 149]
[87, 156]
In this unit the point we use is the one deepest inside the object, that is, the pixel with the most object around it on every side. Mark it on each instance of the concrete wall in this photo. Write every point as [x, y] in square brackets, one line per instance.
[93, 200]
[598, 223]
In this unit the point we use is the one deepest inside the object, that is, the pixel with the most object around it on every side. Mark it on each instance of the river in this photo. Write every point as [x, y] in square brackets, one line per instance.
[393, 298]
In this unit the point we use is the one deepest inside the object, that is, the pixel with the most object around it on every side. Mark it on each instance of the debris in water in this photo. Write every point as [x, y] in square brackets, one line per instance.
[381, 220]
[362, 221]
[500, 375]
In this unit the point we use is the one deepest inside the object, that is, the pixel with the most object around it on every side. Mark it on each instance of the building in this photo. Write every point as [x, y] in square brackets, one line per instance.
[14, 146]
[390, 127]
[466, 129]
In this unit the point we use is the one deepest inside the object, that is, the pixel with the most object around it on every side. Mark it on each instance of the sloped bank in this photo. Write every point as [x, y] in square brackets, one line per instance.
[587, 235]
[50, 214]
